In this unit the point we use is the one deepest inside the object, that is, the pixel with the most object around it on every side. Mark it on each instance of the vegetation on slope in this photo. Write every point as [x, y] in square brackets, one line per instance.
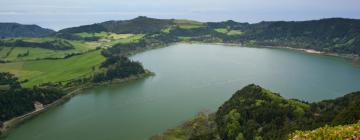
[351, 131]
[61, 70]
[55, 44]
[118, 67]
[198, 128]
[139, 25]
[330, 35]
[256, 113]
[16, 101]
[19, 30]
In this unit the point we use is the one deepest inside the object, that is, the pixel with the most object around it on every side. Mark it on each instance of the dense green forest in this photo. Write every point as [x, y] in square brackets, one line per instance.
[257, 113]
[118, 67]
[16, 101]
[20, 30]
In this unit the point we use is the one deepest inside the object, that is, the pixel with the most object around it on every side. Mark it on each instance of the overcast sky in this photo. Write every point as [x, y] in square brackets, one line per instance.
[58, 14]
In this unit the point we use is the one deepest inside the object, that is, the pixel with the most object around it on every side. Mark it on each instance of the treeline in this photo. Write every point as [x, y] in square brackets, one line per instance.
[336, 35]
[70, 36]
[56, 44]
[139, 25]
[117, 67]
[8, 30]
[16, 101]
[256, 113]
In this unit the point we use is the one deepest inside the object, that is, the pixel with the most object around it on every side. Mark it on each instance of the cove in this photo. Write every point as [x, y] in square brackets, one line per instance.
[189, 78]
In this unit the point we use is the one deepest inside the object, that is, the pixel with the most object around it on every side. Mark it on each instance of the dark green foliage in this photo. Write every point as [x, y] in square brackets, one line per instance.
[139, 25]
[330, 35]
[57, 44]
[23, 54]
[19, 30]
[255, 112]
[202, 127]
[86, 28]
[16, 101]
[7, 79]
[118, 67]
[123, 48]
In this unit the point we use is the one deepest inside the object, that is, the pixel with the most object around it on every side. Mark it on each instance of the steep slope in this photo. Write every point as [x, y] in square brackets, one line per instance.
[20, 30]
[257, 113]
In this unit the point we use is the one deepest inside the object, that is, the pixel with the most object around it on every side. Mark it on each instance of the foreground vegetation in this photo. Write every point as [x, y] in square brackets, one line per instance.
[351, 131]
[257, 113]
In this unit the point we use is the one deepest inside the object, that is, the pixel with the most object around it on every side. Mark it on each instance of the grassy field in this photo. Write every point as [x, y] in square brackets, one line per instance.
[106, 35]
[37, 70]
[43, 71]
[11, 53]
[188, 24]
[100, 34]
[222, 30]
[129, 38]
[228, 31]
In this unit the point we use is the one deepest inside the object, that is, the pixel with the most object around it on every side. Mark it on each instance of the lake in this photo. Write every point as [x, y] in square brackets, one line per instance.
[189, 78]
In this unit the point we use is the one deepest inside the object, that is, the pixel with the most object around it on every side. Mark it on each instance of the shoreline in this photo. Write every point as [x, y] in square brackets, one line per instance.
[353, 57]
[73, 91]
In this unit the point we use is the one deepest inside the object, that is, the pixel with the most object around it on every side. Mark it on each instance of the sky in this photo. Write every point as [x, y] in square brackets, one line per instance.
[59, 14]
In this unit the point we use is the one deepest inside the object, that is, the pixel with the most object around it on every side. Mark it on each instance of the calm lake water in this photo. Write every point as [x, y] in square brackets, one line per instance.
[189, 79]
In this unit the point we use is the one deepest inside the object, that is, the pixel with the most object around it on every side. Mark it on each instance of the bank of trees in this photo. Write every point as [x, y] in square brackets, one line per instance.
[117, 67]
[256, 113]
[16, 101]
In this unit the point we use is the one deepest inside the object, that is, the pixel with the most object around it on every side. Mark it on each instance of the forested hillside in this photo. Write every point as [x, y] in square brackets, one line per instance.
[136, 26]
[257, 113]
[16, 100]
[19, 30]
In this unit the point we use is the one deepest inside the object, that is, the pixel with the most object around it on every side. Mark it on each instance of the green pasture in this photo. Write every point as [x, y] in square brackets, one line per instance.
[43, 71]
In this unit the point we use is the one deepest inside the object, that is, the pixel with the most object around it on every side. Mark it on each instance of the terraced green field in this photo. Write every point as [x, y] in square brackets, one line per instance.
[43, 71]
[37, 68]
[35, 53]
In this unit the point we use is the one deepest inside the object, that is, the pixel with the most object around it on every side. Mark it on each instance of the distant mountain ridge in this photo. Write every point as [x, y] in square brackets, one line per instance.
[137, 25]
[21, 30]
[333, 35]
[330, 35]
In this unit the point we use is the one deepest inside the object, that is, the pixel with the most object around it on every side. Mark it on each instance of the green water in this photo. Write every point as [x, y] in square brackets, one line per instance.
[189, 79]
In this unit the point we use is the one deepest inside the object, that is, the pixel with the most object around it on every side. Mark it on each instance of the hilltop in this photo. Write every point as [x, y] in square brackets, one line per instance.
[257, 113]
[20, 30]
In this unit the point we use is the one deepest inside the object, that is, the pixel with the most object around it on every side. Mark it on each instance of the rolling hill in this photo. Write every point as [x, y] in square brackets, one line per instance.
[20, 30]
